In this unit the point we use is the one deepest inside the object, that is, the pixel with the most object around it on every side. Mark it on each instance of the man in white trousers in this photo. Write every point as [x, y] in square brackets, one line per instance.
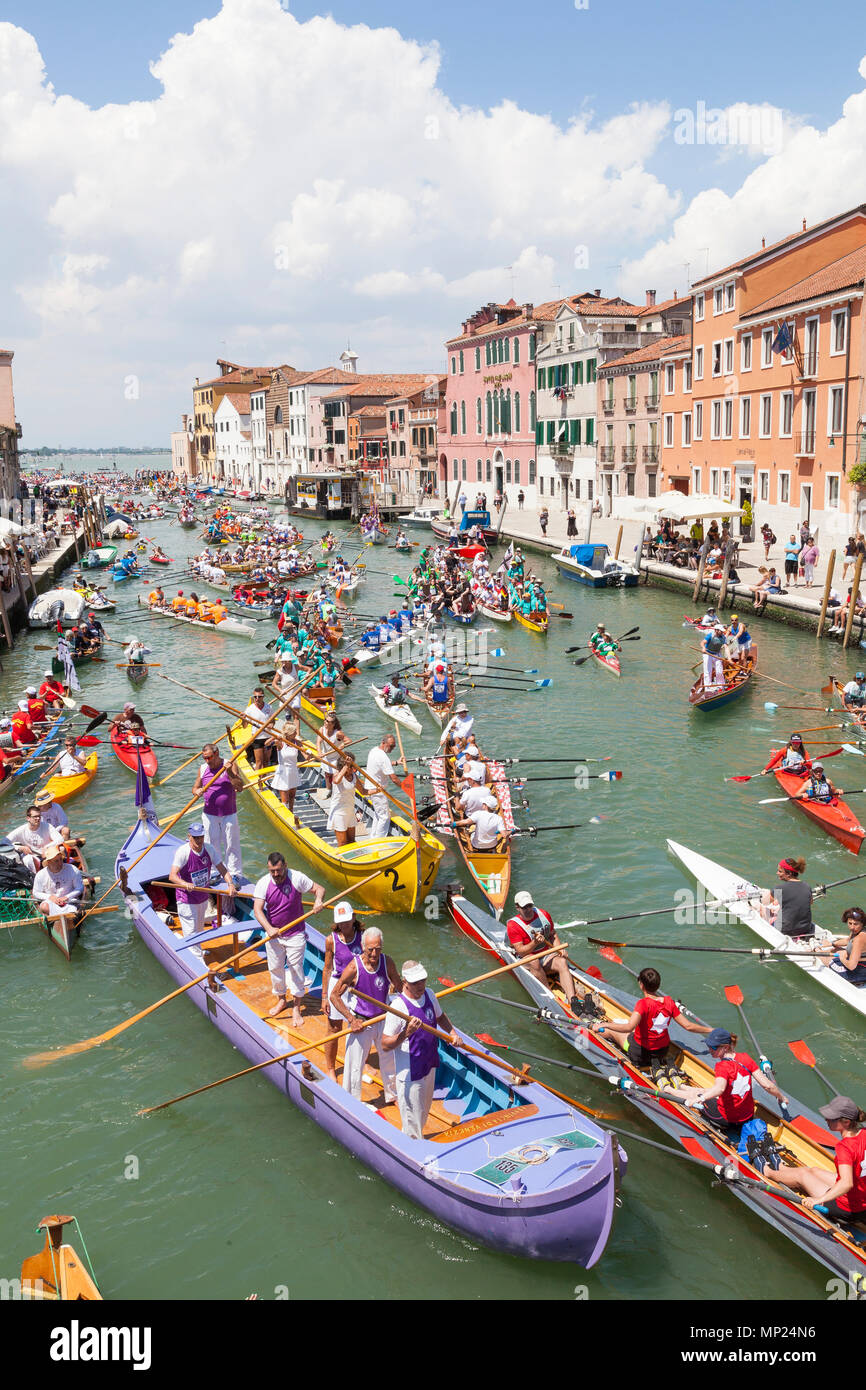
[380, 768]
[371, 975]
[278, 908]
[191, 871]
[220, 811]
[416, 1052]
[713, 647]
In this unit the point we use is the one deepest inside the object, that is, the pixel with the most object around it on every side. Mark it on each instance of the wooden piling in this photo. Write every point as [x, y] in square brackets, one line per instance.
[697, 589]
[826, 599]
[618, 543]
[855, 589]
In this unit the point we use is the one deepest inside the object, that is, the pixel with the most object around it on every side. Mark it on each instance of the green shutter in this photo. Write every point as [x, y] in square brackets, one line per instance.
[539, 432]
[590, 431]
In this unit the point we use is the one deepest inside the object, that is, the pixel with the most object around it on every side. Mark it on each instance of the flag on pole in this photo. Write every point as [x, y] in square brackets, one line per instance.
[143, 799]
[783, 340]
[64, 655]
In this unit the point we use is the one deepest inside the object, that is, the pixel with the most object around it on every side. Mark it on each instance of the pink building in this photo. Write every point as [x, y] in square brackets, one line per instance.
[487, 427]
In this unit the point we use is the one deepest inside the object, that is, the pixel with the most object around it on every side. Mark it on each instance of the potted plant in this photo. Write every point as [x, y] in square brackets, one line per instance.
[747, 521]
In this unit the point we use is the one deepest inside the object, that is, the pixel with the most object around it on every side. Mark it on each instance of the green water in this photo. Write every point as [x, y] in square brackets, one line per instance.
[235, 1191]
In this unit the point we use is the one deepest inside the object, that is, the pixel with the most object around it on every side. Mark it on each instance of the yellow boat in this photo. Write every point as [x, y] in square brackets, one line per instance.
[57, 1272]
[316, 701]
[62, 788]
[406, 871]
[529, 623]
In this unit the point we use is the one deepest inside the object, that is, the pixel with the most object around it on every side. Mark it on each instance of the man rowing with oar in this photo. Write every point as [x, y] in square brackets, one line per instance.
[415, 1051]
[277, 902]
[344, 942]
[191, 870]
[531, 931]
[374, 974]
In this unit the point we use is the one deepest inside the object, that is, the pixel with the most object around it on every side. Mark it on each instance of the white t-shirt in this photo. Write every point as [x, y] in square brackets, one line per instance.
[394, 1025]
[55, 816]
[379, 767]
[31, 839]
[285, 681]
[461, 726]
[68, 766]
[477, 799]
[253, 714]
[852, 688]
[476, 770]
[488, 828]
[68, 881]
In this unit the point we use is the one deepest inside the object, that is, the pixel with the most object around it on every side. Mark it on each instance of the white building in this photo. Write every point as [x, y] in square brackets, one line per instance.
[258, 439]
[233, 440]
[565, 410]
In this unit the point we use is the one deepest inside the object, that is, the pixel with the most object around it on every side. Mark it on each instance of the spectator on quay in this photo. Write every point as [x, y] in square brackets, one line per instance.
[809, 559]
[849, 557]
[497, 500]
[759, 590]
[520, 500]
[572, 523]
[768, 539]
[804, 533]
[543, 518]
[792, 560]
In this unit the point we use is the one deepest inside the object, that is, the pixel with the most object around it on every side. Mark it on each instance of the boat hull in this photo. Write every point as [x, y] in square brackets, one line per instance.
[228, 627]
[529, 623]
[708, 700]
[128, 754]
[400, 714]
[62, 788]
[838, 821]
[608, 663]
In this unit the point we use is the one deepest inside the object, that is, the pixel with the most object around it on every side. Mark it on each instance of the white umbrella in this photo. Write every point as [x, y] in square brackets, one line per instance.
[676, 506]
[11, 528]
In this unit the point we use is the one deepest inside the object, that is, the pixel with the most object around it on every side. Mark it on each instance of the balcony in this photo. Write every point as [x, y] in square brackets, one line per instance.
[608, 407]
[650, 453]
[630, 405]
[606, 453]
[807, 443]
[629, 453]
[651, 402]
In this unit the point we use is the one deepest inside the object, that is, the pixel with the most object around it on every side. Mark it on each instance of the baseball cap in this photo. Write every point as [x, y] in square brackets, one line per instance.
[523, 899]
[30, 690]
[22, 705]
[840, 1108]
[48, 674]
[719, 1037]
[195, 829]
[343, 912]
[412, 971]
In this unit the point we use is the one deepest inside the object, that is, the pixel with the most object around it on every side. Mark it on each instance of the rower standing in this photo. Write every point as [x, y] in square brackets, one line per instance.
[374, 974]
[256, 714]
[220, 808]
[741, 639]
[379, 769]
[713, 646]
[415, 1050]
[788, 906]
[344, 942]
[190, 872]
[277, 903]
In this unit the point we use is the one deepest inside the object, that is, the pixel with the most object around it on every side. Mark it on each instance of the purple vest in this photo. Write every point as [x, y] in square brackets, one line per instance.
[423, 1047]
[377, 986]
[283, 904]
[221, 798]
[197, 870]
[344, 952]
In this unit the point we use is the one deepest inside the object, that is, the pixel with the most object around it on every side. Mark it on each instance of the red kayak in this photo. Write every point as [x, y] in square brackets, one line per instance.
[835, 816]
[468, 552]
[127, 748]
[159, 560]
[608, 663]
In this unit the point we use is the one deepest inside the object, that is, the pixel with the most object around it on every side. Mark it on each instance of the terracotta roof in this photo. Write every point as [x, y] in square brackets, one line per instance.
[645, 354]
[838, 275]
[324, 376]
[240, 400]
[369, 411]
[666, 305]
[803, 233]
[380, 385]
[683, 343]
[247, 375]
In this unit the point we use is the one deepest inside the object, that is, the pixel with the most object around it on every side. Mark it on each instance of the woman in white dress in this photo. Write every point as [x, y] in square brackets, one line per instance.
[341, 818]
[331, 726]
[285, 780]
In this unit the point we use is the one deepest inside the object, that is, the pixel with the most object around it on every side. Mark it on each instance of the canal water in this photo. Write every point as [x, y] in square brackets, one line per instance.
[236, 1192]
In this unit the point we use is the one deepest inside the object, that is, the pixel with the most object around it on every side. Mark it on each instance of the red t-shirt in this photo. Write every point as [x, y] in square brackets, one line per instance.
[853, 1152]
[736, 1103]
[22, 729]
[36, 709]
[518, 931]
[50, 690]
[655, 1015]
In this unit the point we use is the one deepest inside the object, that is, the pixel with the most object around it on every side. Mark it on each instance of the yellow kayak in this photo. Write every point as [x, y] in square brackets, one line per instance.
[62, 788]
[405, 872]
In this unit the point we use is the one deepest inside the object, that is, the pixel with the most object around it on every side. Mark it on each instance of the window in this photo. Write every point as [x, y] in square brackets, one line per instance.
[478, 470]
[716, 420]
[786, 415]
[577, 489]
[729, 356]
[531, 465]
[278, 415]
[462, 417]
[699, 364]
[463, 470]
[478, 359]
[577, 373]
[764, 487]
[478, 415]
[745, 416]
[489, 402]
[766, 421]
[698, 413]
[833, 490]
[589, 431]
[834, 425]
[455, 471]
[687, 428]
[402, 448]
[669, 431]
[669, 379]
[532, 414]
[784, 487]
[516, 410]
[746, 353]
[506, 349]
[718, 306]
[508, 470]
[838, 332]
[699, 307]
[766, 347]
[807, 441]
[532, 347]
[453, 418]
[717, 359]
[487, 474]
[571, 331]
[541, 484]
[728, 413]
[461, 360]
[726, 482]
[453, 366]
[714, 481]
[517, 470]
[810, 353]
[589, 490]
[515, 356]
[687, 376]
[487, 358]
[729, 295]
[574, 432]
[696, 479]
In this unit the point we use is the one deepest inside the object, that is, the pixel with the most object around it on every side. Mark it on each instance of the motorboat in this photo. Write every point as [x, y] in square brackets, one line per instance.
[593, 564]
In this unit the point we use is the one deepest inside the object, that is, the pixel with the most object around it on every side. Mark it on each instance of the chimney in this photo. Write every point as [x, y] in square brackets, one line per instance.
[650, 298]
[675, 296]
[804, 224]
[763, 242]
[597, 294]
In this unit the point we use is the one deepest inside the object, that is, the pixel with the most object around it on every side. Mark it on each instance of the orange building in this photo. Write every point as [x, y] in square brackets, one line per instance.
[765, 400]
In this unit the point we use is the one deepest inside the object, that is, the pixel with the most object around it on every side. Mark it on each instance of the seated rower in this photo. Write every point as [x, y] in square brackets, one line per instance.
[649, 1043]
[848, 952]
[792, 758]
[58, 886]
[54, 816]
[531, 933]
[178, 603]
[489, 831]
[854, 692]
[129, 723]
[395, 692]
[844, 1197]
[818, 788]
[729, 1103]
[52, 691]
[437, 682]
[788, 906]
[22, 731]
[33, 838]
[135, 651]
[599, 637]
[156, 597]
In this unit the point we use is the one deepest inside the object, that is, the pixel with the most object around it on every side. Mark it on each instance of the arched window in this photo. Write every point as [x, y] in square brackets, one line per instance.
[478, 415]
[463, 470]
[516, 409]
[278, 415]
[532, 347]
[500, 347]
[497, 418]
[532, 415]
[517, 470]
[487, 471]
[506, 345]
[489, 414]
[462, 417]
[478, 359]
[487, 352]
[516, 353]
[454, 419]
[455, 470]
[508, 470]
[506, 410]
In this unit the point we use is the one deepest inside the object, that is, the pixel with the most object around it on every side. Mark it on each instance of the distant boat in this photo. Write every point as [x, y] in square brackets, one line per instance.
[594, 566]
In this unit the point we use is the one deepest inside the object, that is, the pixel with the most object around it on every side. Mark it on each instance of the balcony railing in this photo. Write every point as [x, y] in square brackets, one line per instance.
[629, 453]
[607, 407]
[606, 453]
[807, 442]
[810, 363]
[630, 405]
[650, 453]
[652, 402]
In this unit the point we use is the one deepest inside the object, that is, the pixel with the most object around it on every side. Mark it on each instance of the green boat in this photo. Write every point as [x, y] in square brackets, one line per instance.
[100, 557]
[57, 667]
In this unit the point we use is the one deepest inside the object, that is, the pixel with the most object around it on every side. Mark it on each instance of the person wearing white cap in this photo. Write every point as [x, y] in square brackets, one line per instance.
[477, 797]
[379, 768]
[52, 691]
[344, 942]
[279, 909]
[58, 886]
[190, 873]
[373, 975]
[415, 1050]
[459, 725]
[489, 831]
[531, 931]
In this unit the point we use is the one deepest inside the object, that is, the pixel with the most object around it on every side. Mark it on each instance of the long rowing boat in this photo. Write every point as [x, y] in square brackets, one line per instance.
[743, 898]
[490, 869]
[129, 747]
[499, 615]
[510, 1166]
[537, 624]
[33, 761]
[737, 679]
[401, 714]
[835, 817]
[442, 712]
[229, 626]
[57, 1273]
[805, 1139]
[405, 873]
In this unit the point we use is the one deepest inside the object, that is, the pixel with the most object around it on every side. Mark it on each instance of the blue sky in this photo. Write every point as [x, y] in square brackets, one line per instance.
[123, 261]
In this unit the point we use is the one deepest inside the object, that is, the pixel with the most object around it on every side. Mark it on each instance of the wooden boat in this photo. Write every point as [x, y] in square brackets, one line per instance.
[857, 717]
[499, 615]
[317, 701]
[404, 548]
[805, 1139]
[404, 873]
[156, 559]
[442, 713]
[188, 522]
[464, 619]
[736, 683]
[836, 817]
[478, 1167]
[609, 662]
[401, 714]
[58, 668]
[744, 899]
[65, 931]
[62, 788]
[538, 623]
[490, 870]
[346, 588]
[375, 535]
[99, 557]
[136, 671]
[228, 627]
[128, 748]
[57, 1273]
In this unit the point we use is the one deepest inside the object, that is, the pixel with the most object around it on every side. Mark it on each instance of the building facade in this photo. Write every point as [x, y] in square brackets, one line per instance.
[412, 427]
[630, 423]
[183, 459]
[10, 431]
[234, 455]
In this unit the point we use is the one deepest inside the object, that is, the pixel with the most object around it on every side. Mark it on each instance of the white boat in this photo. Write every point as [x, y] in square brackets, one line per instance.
[57, 605]
[228, 627]
[401, 649]
[401, 714]
[420, 516]
[348, 587]
[594, 566]
[743, 899]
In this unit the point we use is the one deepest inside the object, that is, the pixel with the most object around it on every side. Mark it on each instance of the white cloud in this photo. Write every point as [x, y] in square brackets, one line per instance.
[296, 184]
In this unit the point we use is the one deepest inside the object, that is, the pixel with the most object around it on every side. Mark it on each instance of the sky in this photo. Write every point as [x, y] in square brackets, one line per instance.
[269, 181]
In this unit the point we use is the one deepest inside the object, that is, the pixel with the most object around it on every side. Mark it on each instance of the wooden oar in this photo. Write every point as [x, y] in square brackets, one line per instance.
[37, 921]
[734, 995]
[332, 1037]
[765, 952]
[750, 777]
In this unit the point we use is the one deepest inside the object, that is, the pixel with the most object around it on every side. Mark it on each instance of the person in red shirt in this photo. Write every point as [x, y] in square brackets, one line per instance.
[844, 1197]
[22, 725]
[729, 1102]
[531, 931]
[51, 691]
[35, 706]
[649, 1045]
